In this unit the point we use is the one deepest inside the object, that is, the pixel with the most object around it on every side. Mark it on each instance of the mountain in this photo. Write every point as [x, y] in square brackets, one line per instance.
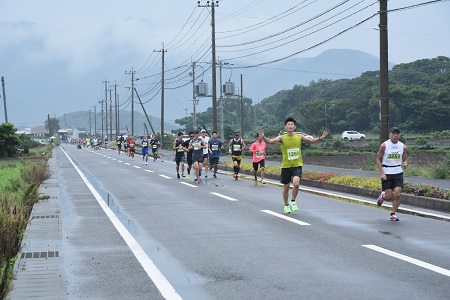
[332, 64]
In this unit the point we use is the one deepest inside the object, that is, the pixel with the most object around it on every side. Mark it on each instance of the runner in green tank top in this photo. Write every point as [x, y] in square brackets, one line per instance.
[291, 166]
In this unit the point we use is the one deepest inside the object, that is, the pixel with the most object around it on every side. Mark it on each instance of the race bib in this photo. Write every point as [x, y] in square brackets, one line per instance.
[180, 150]
[293, 153]
[215, 147]
[155, 146]
[144, 144]
[236, 147]
[259, 154]
[393, 156]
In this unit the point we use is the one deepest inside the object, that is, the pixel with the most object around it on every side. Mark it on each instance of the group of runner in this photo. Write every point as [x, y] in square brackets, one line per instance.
[128, 143]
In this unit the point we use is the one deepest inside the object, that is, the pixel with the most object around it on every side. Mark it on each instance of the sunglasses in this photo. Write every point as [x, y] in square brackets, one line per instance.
[191, 136]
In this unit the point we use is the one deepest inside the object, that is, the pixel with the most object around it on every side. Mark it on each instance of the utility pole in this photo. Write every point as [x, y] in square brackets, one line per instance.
[194, 100]
[95, 119]
[162, 94]
[221, 104]
[213, 5]
[145, 113]
[384, 67]
[101, 102]
[48, 123]
[4, 100]
[90, 124]
[132, 100]
[115, 109]
[106, 109]
[242, 108]
[110, 114]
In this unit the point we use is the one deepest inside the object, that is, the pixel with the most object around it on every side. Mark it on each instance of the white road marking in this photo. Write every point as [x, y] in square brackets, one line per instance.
[119, 161]
[285, 217]
[113, 159]
[163, 285]
[128, 164]
[223, 196]
[167, 177]
[108, 156]
[410, 260]
[189, 184]
[137, 167]
[150, 171]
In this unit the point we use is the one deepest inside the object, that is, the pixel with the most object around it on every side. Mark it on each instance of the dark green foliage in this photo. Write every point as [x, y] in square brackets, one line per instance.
[9, 140]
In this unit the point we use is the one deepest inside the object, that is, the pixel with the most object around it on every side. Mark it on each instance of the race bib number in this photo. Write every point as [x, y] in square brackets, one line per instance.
[236, 147]
[393, 156]
[155, 146]
[215, 147]
[144, 144]
[293, 153]
[180, 149]
[259, 154]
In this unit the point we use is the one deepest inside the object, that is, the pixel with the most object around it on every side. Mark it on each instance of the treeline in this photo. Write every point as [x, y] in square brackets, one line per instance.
[419, 101]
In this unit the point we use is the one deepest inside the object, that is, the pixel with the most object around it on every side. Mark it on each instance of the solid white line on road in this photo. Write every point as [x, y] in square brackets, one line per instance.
[137, 167]
[189, 184]
[163, 285]
[285, 217]
[128, 164]
[150, 171]
[223, 196]
[410, 260]
[164, 176]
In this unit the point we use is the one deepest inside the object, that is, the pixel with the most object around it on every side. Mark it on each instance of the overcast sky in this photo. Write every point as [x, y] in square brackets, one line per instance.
[55, 54]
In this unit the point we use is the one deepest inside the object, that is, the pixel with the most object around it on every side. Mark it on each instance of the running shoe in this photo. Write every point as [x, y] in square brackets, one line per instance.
[200, 174]
[394, 217]
[206, 175]
[198, 181]
[287, 209]
[178, 176]
[146, 163]
[234, 176]
[195, 178]
[189, 176]
[182, 175]
[262, 181]
[214, 175]
[380, 199]
[294, 206]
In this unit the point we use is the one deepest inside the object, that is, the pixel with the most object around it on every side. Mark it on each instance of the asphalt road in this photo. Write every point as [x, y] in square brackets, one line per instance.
[131, 231]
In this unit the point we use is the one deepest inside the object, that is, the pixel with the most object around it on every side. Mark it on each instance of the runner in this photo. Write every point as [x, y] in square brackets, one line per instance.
[197, 155]
[189, 153]
[154, 144]
[144, 145]
[236, 146]
[179, 154]
[214, 148]
[291, 166]
[119, 141]
[131, 144]
[258, 149]
[106, 142]
[391, 158]
[205, 139]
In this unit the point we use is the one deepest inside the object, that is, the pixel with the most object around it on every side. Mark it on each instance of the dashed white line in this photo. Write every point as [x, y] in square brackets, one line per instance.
[164, 176]
[189, 184]
[128, 164]
[285, 217]
[150, 171]
[161, 282]
[137, 167]
[410, 260]
[119, 161]
[223, 196]
[113, 159]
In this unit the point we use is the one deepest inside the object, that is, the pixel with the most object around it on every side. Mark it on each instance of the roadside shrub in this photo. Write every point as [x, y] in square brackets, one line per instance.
[427, 190]
[421, 141]
[442, 170]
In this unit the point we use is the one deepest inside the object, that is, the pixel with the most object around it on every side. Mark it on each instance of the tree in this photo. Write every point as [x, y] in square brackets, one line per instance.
[54, 125]
[9, 140]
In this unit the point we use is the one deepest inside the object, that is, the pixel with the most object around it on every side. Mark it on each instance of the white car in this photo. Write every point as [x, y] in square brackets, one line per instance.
[353, 135]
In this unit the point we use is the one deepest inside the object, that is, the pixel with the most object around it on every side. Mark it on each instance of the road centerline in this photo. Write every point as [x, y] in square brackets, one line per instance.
[410, 260]
[285, 217]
